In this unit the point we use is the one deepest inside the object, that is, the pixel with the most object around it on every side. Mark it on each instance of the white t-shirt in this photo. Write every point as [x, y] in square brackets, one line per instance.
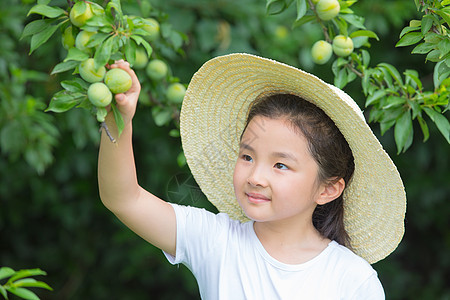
[229, 262]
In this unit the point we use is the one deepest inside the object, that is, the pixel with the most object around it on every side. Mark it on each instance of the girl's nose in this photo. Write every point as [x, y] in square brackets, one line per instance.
[257, 178]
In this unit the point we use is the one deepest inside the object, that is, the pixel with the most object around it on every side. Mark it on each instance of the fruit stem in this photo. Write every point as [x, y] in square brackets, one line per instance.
[108, 133]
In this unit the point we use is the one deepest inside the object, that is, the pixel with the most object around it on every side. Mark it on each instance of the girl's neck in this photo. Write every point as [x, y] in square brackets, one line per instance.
[290, 244]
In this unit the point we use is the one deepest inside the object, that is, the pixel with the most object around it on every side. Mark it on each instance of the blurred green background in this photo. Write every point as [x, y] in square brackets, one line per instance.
[51, 216]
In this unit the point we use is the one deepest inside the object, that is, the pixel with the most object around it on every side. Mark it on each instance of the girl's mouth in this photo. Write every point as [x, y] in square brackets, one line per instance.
[257, 198]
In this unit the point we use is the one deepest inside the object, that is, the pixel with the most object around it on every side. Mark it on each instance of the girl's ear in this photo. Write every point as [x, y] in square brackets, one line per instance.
[330, 191]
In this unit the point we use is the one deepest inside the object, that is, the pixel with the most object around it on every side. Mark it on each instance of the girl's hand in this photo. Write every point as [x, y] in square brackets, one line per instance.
[127, 102]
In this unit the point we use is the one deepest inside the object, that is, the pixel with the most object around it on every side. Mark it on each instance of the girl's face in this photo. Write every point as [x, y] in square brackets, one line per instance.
[275, 175]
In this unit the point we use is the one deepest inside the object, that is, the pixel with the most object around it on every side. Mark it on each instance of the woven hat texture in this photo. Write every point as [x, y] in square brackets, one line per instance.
[213, 116]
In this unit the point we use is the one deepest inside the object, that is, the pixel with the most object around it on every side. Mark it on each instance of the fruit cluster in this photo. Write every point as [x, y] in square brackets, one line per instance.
[341, 45]
[95, 37]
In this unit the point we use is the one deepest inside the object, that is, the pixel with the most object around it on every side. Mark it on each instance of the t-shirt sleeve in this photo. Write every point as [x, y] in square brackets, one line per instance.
[371, 289]
[198, 231]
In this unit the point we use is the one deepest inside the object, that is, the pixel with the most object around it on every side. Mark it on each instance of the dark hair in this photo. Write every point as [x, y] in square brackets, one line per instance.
[327, 146]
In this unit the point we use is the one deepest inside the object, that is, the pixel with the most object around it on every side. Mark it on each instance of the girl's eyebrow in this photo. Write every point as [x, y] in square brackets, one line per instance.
[246, 146]
[286, 155]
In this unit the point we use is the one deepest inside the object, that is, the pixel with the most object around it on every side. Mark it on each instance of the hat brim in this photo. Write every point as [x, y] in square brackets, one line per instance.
[213, 116]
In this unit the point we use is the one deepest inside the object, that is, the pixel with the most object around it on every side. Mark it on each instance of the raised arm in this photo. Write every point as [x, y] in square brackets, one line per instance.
[147, 215]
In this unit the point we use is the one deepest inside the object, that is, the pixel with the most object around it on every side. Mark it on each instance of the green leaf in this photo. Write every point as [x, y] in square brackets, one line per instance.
[34, 27]
[103, 53]
[6, 272]
[373, 98]
[367, 33]
[161, 116]
[444, 47]
[47, 11]
[402, 131]
[3, 292]
[392, 71]
[73, 86]
[118, 118]
[97, 39]
[26, 273]
[302, 21]
[434, 56]
[445, 2]
[365, 58]
[301, 9]
[423, 48]
[98, 21]
[385, 126]
[440, 73]
[63, 101]
[427, 22]
[30, 282]
[23, 293]
[409, 39]
[445, 15]
[441, 122]
[130, 51]
[393, 101]
[274, 7]
[39, 38]
[355, 20]
[424, 127]
[76, 54]
[342, 25]
[64, 66]
[101, 114]
[414, 76]
[408, 29]
[341, 79]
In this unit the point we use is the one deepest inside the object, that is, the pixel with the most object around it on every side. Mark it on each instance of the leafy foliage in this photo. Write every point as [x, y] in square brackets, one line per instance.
[55, 220]
[18, 284]
[395, 100]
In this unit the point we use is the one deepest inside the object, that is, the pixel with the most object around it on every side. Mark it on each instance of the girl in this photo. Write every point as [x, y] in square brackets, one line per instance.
[298, 177]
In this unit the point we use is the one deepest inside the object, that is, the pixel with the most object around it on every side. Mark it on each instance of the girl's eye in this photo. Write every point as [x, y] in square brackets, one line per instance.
[281, 166]
[247, 157]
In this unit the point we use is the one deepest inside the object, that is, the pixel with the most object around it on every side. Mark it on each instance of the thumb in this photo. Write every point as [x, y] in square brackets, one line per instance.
[120, 99]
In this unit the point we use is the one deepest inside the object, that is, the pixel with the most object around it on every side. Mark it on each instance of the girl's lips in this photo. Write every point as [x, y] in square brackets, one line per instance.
[256, 198]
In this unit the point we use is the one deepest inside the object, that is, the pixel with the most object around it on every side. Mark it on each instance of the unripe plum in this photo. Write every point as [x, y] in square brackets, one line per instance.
[89, 73]
[67, 39]
[342, 45]
[175, 92]
[80, 13]
[321, 52]
[82, 39]
[156, 69]
[118, 80]
[152, 27]
[141, 59]
[99, 94]
[327, 9]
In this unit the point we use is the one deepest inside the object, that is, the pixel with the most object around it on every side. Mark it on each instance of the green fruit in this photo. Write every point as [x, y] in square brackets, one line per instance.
[118, 80]
[175, 92]
[67, 39]
[82, 39]
[342, 46]
[327, 9]
[156, 69]
[80, 13]
[141, 59]
[89, 73]
[321, 52]
[99, 94]
[152, 28]
[281, 32]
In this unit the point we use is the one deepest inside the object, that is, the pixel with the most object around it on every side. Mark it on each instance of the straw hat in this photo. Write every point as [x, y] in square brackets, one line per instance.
[213, 115]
